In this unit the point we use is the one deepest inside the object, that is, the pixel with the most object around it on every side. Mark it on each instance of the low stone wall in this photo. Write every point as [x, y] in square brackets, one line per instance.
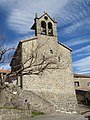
[25, 99]
[62, 102]
[35, 102]
[14, 114]
[48, 102]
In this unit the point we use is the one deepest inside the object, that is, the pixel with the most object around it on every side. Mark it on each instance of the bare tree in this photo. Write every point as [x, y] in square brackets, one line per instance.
[28, 62]
[5, 56]
[31, 64]
[5, 52]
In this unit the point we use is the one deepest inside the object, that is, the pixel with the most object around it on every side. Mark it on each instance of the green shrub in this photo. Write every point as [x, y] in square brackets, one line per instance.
[35, 113]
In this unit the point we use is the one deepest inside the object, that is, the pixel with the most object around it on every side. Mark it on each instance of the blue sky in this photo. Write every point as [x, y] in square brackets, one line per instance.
[73, 25]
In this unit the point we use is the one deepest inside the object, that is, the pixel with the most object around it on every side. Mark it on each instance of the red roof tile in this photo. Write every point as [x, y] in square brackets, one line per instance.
[5, 71]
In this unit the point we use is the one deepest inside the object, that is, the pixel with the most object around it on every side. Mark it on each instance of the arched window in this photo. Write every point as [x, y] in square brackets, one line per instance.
[58, 58]
[43, 28]
[50, 29]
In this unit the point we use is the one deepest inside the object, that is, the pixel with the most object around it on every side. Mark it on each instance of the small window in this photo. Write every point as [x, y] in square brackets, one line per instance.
[88, 84]
[43, 28]
[76, 84]
[51, 51]
[46, 18]
[25, 100]
[58, 58]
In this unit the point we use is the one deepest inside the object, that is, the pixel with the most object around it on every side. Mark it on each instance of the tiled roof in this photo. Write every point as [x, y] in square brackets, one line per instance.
[83, 89]
[5, 71]
[82, 75]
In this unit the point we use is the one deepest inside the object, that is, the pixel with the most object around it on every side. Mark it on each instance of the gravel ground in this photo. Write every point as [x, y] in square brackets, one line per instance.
[84, 110]
[59, 117]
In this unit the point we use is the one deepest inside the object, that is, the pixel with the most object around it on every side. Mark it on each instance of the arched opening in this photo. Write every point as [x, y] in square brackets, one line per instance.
[50, 29]
[43, 28]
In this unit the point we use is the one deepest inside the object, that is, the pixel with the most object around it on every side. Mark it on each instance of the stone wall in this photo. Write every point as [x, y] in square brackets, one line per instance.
[83, 81]
[47, 102]
[35, 102]
[24, 103]
[13, 114]
[24, 99]
[53, 85]
[62, 102]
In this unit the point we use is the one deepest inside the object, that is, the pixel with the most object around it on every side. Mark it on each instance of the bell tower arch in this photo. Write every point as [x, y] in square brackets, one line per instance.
[45, 25]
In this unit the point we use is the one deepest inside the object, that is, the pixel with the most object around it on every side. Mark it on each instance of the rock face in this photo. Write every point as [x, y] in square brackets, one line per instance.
[55, 84]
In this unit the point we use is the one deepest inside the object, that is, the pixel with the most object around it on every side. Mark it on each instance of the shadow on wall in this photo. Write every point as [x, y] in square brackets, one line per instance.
[88, 117]
[83, 97]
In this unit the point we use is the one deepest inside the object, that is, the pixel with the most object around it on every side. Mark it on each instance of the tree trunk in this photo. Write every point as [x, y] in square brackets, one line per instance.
[2, 97]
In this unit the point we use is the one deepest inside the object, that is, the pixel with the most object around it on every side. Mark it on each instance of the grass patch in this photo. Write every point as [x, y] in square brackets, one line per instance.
[7, 108]
[35, 113]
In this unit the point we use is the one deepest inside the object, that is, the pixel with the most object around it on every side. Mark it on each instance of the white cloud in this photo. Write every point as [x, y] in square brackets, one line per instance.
[77, 26]
[83, 49]
[22, 12]
[77, 41]
[5, 66]
[82, 65]
[84, 72]
[82, 54]
[75, 18]
[19, 21]
[2, 2]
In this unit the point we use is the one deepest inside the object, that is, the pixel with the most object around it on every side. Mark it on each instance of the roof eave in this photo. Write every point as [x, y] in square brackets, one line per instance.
[30, 39]
[65, 46]
[48, 16]
[81, 75]
[33, 27]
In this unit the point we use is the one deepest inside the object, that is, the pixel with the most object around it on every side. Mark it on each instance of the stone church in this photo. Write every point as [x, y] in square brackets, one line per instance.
[53, 88]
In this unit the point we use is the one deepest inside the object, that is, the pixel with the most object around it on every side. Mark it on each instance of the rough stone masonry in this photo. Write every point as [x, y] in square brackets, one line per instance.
[55, 84]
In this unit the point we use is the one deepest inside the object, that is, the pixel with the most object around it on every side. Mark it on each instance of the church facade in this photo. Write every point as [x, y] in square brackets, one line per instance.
[54, 84]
